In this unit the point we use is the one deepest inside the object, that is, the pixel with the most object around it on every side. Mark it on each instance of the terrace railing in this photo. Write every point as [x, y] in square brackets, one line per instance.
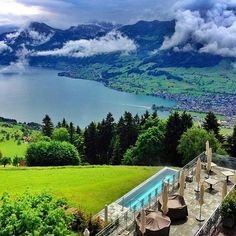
[127, 220]
[211, 225]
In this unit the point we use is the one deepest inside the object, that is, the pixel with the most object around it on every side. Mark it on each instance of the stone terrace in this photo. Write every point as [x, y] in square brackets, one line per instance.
[212, 201]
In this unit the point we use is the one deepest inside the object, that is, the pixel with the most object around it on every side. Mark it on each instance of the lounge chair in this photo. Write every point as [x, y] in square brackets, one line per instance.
[176, 205]
[156, 224]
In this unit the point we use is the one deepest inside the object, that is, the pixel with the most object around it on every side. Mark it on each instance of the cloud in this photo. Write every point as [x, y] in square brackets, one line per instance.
[21, 65]
[209, 24]
[4, 47]
[112, 42]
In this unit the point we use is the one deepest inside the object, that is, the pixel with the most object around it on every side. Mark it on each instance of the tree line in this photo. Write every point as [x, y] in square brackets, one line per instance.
[138, 140]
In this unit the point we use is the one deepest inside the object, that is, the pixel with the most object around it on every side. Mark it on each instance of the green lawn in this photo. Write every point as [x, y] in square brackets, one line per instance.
[10, 148]
[87, 187]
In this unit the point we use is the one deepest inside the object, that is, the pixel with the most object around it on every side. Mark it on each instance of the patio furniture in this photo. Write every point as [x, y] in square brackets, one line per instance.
[189, 176]
[156, 224]
[176, 205]
[227, 173]
[211, 182]
[204, 165]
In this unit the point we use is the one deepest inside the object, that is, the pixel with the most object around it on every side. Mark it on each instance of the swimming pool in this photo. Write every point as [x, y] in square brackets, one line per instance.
[148, 190]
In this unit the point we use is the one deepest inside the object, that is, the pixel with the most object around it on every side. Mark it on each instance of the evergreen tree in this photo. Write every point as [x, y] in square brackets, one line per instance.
[78, 130]
[127, 130]
[232, 143]
[174, 131]
[71, 130]
[90, 143]
[144, 117]
[187, 121]
[105, 134]
[211, 124]
[64, 124]
[47, 126]
[116, 151]
[58, 125]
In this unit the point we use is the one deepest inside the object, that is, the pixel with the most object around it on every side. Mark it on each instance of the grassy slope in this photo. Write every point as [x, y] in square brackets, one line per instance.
[196, 81]
[87, 187]
[10, 147]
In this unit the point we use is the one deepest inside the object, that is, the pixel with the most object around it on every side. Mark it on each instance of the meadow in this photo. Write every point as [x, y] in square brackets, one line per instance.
[89, 188]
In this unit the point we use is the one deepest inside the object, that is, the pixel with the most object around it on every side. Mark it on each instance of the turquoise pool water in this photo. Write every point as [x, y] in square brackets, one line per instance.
[141, 195]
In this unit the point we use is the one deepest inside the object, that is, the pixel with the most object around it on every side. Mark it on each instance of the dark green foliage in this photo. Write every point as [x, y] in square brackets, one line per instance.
[60, 134]
[34, 215]
[47, 126]
[147, 149]
[228, 208]
[193, 142]
[90, 143]
[52, 153]
[176, 126]
[127, 131]
[105, 132]
[5, 161]
[16, 160]
[116, 151]
[232, 143]
[211, 124]
[71, 130]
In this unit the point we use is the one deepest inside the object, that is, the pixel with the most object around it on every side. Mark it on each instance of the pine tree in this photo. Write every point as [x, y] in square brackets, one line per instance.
[47, 126]
[64, 124]
[71, 131]
[116, 152]
[105, 134]
[232, 143]
[187, 121]
[211, 124]
[174, 131]
[127, 130]
[78, 130]
[90, 143]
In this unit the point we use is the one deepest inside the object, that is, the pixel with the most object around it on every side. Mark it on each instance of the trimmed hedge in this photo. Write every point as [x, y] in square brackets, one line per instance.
[52, 153]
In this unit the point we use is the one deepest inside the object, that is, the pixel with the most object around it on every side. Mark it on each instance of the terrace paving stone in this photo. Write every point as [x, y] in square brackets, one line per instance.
[212, 199]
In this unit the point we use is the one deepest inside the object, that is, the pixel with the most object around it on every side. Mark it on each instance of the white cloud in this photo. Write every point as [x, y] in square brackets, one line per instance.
[112, 42]
[4, 46]
[20, 66]
[211, 24]
[39, 38]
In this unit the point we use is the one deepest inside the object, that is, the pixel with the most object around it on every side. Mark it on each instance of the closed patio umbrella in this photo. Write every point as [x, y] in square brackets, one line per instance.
[224, 190]
[86, 232]
[199, 217]
[164, 207]
[209, 159]
[235, 177]
[143, 222]
[207, 146]
[198, 174]
[181, 183]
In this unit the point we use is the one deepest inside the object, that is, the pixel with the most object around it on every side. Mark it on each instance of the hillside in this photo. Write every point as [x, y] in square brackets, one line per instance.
[127, 58]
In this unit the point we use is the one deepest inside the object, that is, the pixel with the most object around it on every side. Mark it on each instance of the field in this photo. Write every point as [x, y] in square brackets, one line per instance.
[87, 187]
[11, 143]
[136, 77]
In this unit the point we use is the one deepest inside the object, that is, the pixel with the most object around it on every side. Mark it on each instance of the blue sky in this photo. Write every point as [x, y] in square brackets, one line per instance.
[62, 14]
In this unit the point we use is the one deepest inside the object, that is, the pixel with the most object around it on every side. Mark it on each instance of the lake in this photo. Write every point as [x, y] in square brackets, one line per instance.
[29, 96]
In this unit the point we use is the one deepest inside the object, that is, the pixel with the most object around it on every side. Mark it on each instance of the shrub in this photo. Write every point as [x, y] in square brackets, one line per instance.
[228, 208]
[60, 134]
[52, 153]
[16, 160]
[193, 142]
[39, 214]
[5, 161]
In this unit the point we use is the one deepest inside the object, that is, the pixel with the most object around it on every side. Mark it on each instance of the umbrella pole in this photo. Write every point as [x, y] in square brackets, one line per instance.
[199, 217]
